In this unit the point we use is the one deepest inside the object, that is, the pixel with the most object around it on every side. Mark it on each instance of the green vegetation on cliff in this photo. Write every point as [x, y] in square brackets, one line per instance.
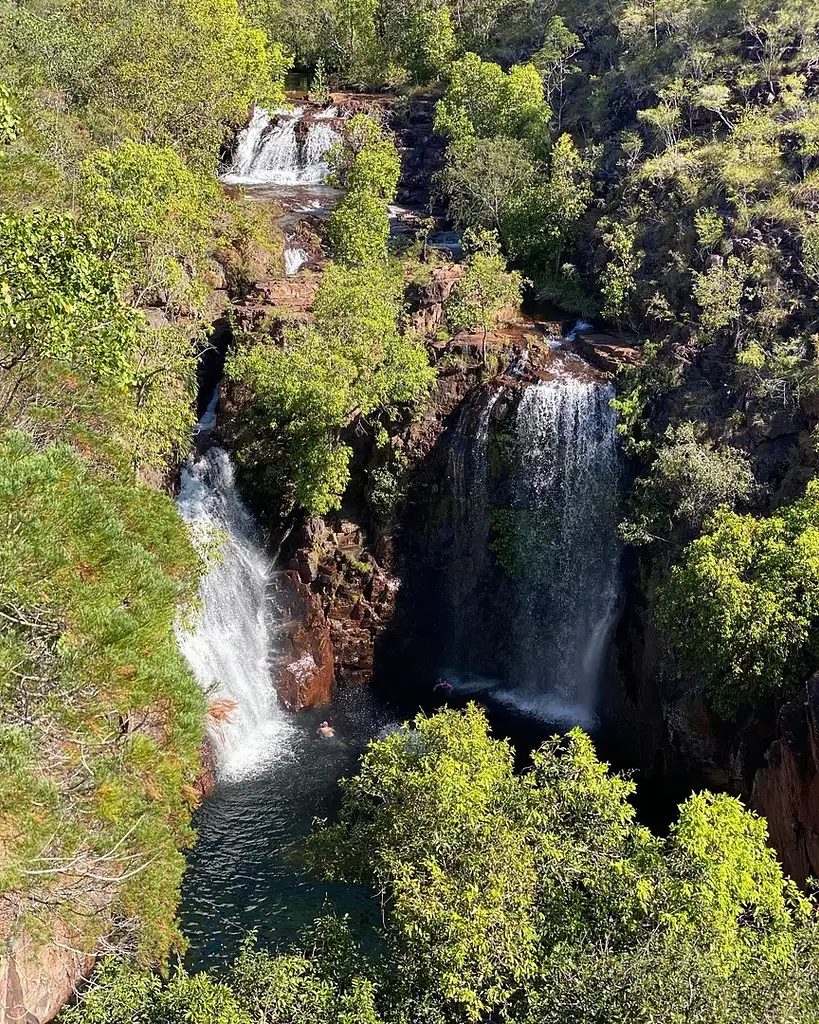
[352, 363]
[111, 117]
[654, 166]
[524, 898]
[102, 725]
[742, 606]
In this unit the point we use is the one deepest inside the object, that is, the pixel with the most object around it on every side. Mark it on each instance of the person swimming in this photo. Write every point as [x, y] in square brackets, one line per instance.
[327, 731]
[443, 686]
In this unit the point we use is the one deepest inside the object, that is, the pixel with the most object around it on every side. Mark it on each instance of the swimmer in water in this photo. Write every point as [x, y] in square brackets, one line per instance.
[444, 686]
[327, 731]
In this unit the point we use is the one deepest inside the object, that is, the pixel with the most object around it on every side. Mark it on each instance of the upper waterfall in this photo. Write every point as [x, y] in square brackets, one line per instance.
[230, 647]
[269, 151]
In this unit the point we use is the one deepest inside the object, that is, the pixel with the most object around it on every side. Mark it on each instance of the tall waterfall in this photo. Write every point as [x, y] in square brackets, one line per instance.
[534, 515]
[268, 151]
[564, 496]
[230, 647]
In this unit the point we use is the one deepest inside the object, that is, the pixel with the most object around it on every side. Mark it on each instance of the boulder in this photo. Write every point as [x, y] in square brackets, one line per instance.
[427, 299]
[37, 978]
[296, 293]
[605, 351]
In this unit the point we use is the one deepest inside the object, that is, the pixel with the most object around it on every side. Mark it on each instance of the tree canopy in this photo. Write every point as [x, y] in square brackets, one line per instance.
[522, 897]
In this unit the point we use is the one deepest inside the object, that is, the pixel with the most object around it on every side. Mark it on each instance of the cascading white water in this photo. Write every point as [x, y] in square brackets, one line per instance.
[268, 151]
[230, 646]
[320, 139]
[530, 626]
[294, 259]
[565, 487]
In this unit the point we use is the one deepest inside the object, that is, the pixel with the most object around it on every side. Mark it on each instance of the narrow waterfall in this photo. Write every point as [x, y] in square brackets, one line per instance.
[268, 151]
[562, 542]
[294, 259]
[532, 567]
[230, 646]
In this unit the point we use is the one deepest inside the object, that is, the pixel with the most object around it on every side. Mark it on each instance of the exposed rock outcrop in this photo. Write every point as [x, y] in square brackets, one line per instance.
[38, 979]
[427, 299]
[340, 600]
[306, 673]
[786, 789]
[296, 294]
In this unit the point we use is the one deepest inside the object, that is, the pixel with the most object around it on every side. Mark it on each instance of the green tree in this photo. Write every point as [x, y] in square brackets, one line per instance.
[539, 898]
[556, 62]
[485, 290]
[484, 101]
[484, 179]
[367, 166]
[541, 222]
[741, 606]
[60, 298]
[170, 73]
[353, 362]
[154, 218]
[618, 281]
[419, 37]
[719, 293]
[688, 481]
[78, 363]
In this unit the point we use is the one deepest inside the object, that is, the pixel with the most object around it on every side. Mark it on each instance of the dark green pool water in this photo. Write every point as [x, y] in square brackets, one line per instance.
[246, 871]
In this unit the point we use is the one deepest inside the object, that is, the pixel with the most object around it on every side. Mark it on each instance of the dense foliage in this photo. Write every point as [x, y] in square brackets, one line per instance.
[655, 166]
[525, 898]
[101, 721]
[168, 73]
[352, 363]
[111, 116]
[742, 606]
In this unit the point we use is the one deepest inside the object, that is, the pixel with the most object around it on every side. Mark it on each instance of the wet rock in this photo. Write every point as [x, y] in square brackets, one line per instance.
[306, 675]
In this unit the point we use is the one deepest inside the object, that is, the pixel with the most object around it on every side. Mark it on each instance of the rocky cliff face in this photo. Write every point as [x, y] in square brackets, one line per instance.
[661, 722]
[37, 980]
[786, 789]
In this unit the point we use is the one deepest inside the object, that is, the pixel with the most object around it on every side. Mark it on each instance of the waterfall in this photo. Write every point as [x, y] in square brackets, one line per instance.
[533, 583]
[320, 138]
[229, 648]
[294, 259]
[562, 540]
[268, 150]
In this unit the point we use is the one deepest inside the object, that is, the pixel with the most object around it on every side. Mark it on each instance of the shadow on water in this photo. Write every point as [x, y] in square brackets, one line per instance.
[247, 872]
